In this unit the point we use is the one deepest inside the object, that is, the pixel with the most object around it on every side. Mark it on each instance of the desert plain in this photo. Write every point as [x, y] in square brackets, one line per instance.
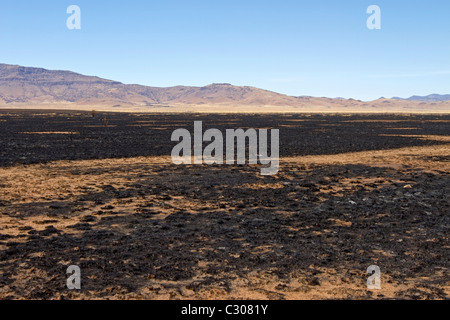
[100, 191]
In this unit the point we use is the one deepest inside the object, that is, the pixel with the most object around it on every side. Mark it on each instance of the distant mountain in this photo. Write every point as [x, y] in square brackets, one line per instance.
[37, 86]
[429, 98]
[26, 87]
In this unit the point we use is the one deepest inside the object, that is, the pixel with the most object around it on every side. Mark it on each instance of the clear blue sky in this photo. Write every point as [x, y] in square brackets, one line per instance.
[318, 48]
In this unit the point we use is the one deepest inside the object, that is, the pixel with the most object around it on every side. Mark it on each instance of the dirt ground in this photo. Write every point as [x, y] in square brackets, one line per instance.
[140, 227]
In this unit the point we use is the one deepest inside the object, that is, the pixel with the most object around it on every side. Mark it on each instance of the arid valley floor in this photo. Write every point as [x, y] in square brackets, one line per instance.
[352, 191]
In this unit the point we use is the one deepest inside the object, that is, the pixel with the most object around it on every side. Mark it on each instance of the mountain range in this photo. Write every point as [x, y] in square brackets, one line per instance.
[27, 87]
[429, 98]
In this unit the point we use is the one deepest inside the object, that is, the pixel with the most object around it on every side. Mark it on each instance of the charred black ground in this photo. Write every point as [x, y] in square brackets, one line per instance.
[211, 232]
[78, 135]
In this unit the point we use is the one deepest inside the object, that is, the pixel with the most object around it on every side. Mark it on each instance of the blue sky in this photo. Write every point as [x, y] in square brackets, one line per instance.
[318, 48]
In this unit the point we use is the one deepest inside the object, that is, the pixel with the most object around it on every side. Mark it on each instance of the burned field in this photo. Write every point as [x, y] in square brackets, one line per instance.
[28, 136]
[352, 191]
